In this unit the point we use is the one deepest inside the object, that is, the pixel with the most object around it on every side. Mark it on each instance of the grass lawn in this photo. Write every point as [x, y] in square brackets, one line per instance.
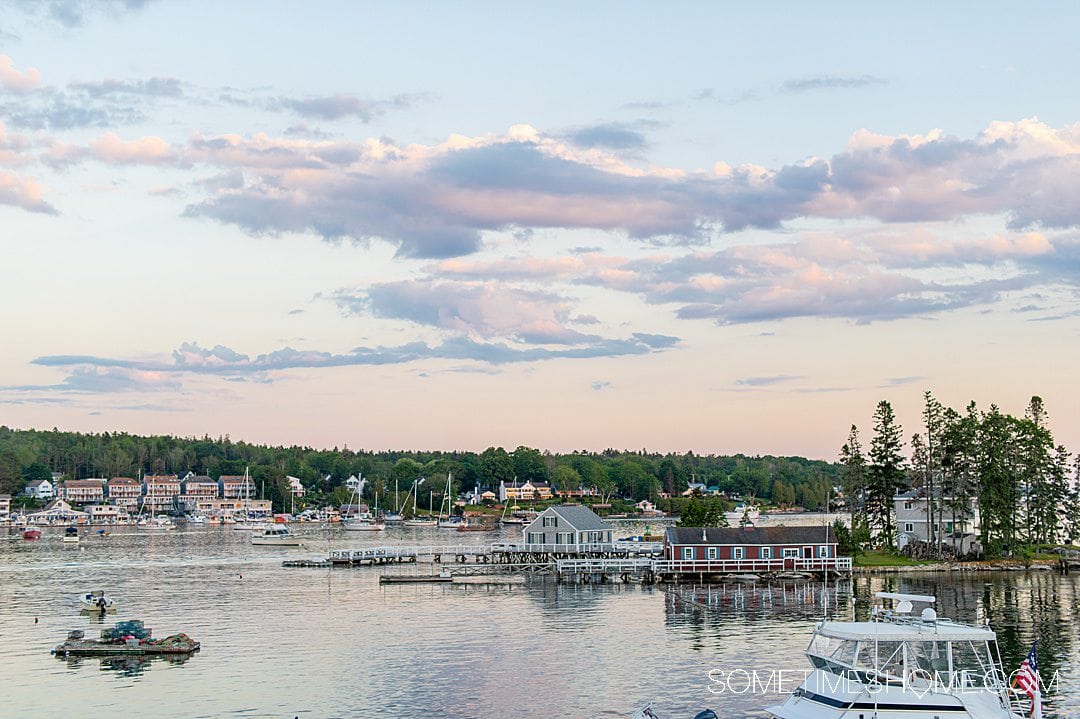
[877, 558]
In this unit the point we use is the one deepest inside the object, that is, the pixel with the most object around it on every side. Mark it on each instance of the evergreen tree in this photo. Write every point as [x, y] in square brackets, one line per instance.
[1039, 491]
[886, 474]
[999, 488]
[853, 477]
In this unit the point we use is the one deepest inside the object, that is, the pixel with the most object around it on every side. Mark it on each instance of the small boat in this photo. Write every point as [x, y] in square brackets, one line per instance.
[451, 522]
[71, 535]
[276, 536]
[363, 523]
[646, 712]
[417, 522]
[162, 523]
[31, 533]
[97, 602]
[913, 667]
[393, 518]
[468, 526]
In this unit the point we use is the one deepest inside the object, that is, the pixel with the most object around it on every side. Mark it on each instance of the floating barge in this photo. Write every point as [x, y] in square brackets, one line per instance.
[128, 638]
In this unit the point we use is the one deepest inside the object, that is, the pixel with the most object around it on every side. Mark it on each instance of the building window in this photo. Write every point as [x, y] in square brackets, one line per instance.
[823, 551]
[564, 537]
[551, 521]
[687, 552]
[535, 538]
[790, 552]
[766, 552]
[712, 552]
[909, 505]
[909, 527]
[737, 552]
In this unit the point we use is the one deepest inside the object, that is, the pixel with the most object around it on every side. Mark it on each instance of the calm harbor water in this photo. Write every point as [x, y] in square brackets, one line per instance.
[313, 643]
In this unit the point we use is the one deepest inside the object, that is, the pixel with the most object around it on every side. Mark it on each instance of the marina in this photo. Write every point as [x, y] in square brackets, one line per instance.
[239, 602]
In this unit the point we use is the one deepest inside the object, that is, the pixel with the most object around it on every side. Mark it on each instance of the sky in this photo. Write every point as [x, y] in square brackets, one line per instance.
[708, 227]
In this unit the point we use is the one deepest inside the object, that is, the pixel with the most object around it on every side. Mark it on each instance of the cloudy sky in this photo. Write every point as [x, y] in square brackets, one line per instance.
[689, 226]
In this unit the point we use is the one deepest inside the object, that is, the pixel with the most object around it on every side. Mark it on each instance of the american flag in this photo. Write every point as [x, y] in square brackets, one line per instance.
[1027, 678]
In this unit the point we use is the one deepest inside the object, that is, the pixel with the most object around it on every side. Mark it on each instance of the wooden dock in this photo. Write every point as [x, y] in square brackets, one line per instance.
[600, 563]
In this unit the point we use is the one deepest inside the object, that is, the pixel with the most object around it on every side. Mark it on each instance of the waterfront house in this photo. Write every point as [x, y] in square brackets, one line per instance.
[752, 549]
[56, 512]
[40, 489]
[160, 491]
[694, 489]
[648, 509]
[234, 486]
[83, 491]
[527, 490]
[5, 505]
[296, 487]
[957, 527]
[107, 514]
[566, 527]
[578, 492]
[123, 492]
[193, 489]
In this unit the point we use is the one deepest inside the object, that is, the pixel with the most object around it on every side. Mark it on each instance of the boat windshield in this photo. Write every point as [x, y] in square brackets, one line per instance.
[972, 662]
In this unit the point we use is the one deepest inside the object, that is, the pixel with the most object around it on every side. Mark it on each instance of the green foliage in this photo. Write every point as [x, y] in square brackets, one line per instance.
[633, 475]
[703, 512]
[886, 474]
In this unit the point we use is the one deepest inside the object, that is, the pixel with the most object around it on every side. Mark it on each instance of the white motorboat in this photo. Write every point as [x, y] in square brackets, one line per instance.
[420, 522]
[363, 523]
[902, 666]
[71, 535]
[277, 535]
[161, 522]
[97, 602]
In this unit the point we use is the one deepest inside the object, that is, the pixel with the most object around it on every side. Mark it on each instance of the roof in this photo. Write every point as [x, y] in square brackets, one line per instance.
[751, 535]
[39, 482]
[941, 630]
[578, 516]
[122, 480]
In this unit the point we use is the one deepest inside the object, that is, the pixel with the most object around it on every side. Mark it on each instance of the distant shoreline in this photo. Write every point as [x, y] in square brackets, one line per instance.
[1042, 565]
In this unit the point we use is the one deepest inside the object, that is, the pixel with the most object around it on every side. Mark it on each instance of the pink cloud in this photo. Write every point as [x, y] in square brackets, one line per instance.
[12, 79]
[23, 193]
[145, 151]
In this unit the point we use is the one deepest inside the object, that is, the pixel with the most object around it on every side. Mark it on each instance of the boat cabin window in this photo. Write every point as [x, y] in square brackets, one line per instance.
[972, 664]
[837, 650]
[929, 660]
[887, 657]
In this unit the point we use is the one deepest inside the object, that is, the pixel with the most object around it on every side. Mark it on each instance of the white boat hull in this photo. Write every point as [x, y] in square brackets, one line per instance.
[276, 542]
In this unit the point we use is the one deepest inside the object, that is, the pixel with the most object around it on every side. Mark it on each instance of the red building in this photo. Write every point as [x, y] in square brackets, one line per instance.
[720, 550]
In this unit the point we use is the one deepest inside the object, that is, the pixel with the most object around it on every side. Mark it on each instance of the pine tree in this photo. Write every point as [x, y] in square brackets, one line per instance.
[853, 475]
[886, 474]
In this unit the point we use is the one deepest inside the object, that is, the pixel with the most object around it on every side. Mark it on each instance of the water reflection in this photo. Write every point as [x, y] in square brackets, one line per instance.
[350, 648]
[126, 666]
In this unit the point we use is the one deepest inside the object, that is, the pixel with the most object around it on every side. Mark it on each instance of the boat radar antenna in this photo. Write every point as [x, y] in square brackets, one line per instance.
[904, 601]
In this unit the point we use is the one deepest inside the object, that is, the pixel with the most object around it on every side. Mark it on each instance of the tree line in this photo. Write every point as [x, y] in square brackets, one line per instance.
[26, 455]
[1025, 487]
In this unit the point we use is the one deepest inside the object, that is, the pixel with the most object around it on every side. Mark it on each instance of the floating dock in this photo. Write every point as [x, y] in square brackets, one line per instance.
[415, 578]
